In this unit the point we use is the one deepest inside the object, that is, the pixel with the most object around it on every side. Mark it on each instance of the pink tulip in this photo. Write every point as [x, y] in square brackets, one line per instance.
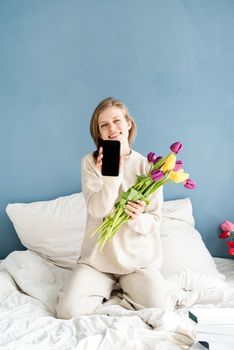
[178, 165]
[176, 147]
[224, 234]
[227, 226]
[190, 184]
[230, 244]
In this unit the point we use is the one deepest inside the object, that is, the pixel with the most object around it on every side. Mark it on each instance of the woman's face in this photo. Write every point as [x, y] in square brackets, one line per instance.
[113, 125]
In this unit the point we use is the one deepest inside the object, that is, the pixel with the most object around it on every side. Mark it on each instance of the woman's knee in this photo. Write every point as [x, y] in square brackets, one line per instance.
[70, 308]
[84, 292]
[145, 288]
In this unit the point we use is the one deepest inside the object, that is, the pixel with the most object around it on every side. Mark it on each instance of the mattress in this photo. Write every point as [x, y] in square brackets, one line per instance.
[29, 288]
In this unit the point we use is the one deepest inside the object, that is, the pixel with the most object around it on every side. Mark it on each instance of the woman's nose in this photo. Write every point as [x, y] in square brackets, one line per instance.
[111, 126]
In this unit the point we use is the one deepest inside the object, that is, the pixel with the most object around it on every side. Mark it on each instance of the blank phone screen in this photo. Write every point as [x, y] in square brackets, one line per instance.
[110, 160]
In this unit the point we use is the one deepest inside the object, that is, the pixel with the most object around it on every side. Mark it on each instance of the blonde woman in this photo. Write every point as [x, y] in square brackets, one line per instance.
[133, 258]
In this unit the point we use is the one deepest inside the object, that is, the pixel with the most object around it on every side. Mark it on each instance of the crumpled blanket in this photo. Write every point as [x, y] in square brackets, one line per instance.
[29, 288]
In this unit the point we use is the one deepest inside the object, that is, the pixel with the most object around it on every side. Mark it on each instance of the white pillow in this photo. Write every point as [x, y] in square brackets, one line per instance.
[53, 228]
[182, 244]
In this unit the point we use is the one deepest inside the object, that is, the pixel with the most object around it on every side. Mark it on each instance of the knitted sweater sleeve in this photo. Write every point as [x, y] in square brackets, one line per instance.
[149, 222]
[100, 192]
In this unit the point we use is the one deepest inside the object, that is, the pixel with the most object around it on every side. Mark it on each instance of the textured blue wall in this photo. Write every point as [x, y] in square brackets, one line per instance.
[171, 62]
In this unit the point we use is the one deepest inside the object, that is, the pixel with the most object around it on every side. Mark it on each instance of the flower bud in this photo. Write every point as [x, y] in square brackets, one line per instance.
[178, 165]
[230, 244]
[231, 251]
[178, 176]
[169, 163]
[227, 226]
[190, 184]
[157, 159]
[151, 157]
[176, 147]
[157, 175]
[224, 234]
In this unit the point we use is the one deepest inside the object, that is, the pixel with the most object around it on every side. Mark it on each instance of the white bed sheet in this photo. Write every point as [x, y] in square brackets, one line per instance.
[29, 289]
[226, 266]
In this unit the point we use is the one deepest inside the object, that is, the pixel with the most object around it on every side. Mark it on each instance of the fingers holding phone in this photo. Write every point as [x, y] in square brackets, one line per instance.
[109, 160]
[99, 159]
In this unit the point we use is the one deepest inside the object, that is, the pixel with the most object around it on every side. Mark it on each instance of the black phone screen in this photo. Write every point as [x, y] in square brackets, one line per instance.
[111, 156]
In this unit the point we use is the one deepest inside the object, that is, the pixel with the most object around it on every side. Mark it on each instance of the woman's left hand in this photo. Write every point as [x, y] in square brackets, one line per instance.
[135, 209]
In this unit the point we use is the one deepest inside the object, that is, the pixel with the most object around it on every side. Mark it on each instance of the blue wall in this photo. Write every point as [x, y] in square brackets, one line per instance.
[171, 61]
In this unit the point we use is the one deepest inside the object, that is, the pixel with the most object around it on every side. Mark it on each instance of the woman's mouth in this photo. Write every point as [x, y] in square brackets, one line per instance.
[114, 136]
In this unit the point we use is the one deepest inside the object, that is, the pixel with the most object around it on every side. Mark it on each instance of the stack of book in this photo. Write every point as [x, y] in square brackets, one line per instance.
[214, 327]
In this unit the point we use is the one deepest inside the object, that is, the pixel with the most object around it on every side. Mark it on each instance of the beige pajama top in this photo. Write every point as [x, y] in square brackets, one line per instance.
[137, 244]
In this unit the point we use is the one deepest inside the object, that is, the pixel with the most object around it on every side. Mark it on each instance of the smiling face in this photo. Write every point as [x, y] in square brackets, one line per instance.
[113, 125]
[111, 120]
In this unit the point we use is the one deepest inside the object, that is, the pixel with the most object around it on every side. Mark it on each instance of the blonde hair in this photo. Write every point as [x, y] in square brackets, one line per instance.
[94, 128]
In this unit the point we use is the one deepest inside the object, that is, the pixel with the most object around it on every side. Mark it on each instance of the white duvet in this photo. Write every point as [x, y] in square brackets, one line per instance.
[29, 288]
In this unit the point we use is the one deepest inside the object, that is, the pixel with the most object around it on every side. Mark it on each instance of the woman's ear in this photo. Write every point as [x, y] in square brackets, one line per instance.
[129, 124]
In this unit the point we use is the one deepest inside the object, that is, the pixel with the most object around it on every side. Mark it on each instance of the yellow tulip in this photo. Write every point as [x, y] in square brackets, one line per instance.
[178, 176]
[169, 163]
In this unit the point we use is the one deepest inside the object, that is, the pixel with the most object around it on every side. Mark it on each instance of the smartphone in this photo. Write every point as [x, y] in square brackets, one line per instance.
[111, 157]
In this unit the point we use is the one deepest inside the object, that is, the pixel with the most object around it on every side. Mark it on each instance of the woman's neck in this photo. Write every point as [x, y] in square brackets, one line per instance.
[126, 151]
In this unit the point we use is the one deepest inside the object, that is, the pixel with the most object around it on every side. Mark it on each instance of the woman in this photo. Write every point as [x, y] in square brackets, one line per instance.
[133, 257]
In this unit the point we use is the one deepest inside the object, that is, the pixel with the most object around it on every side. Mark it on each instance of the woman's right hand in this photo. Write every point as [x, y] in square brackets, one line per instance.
[99, 161]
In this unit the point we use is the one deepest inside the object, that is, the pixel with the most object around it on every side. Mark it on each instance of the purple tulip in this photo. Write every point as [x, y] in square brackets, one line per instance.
[178, 165]
[151, 156]
[176, 147]
[157, 159]
[157, 175]
[190, 184]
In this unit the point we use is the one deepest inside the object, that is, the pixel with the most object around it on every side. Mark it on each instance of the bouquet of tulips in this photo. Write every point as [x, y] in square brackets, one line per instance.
[162, 170]
[227, 228]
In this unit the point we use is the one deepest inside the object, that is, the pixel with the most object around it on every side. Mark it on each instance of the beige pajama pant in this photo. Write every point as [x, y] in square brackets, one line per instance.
[87, 288]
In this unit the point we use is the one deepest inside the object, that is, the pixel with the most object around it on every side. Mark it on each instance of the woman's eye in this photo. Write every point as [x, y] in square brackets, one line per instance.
[102, 126]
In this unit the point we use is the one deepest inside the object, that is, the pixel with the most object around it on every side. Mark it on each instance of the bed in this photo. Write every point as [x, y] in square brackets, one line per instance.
[52, 232]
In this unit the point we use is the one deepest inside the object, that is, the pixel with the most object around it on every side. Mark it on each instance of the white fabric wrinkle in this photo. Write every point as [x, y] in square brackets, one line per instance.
[27, 318]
